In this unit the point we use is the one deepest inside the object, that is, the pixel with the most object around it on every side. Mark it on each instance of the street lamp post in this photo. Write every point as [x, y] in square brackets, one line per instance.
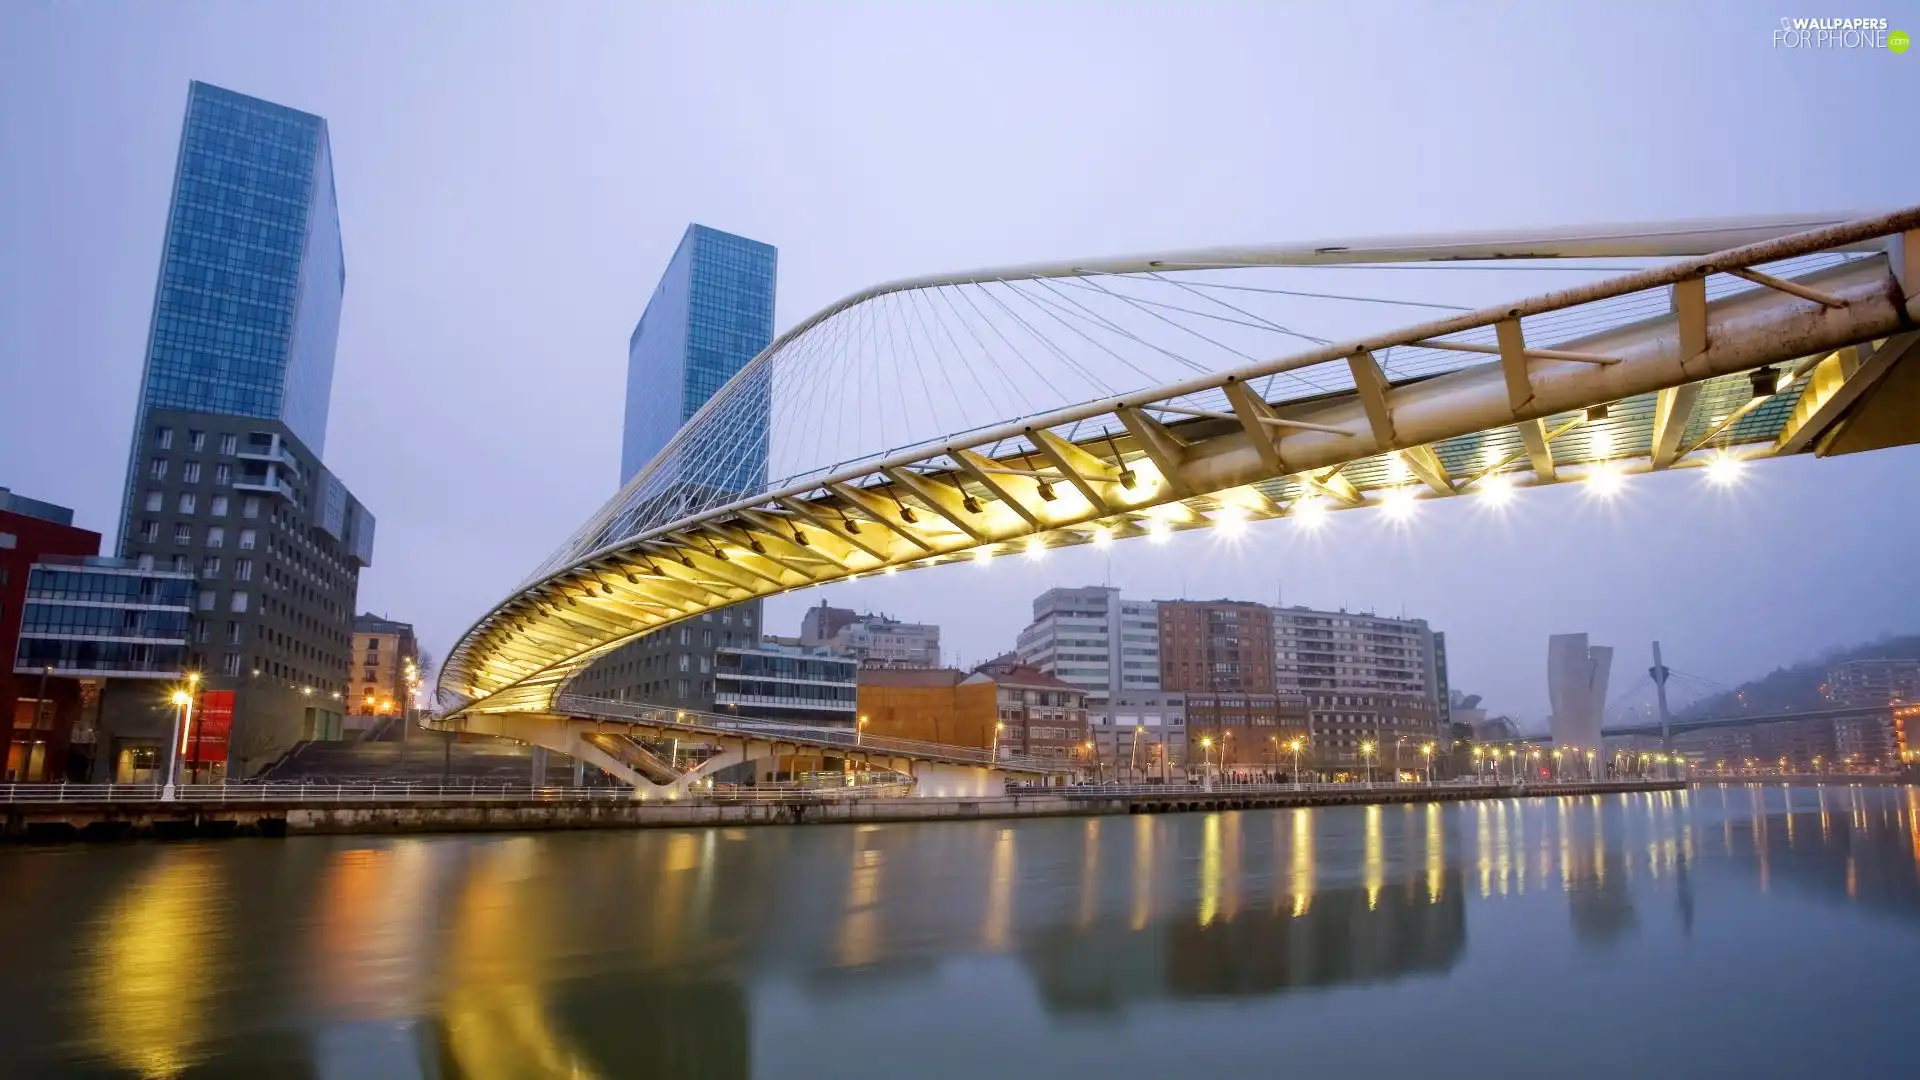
[1426, 751]
[998, 727]
[1295, 745]
[859, 730]
[182, 700]
[1556, 766]
[1206, 761]
[1366, 754]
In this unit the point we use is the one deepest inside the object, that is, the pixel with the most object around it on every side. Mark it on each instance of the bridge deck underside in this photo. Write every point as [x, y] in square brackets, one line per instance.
[1772, 366]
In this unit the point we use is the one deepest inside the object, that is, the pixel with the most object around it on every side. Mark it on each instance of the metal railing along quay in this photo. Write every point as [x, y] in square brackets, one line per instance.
[1191, 790]
[377, 792]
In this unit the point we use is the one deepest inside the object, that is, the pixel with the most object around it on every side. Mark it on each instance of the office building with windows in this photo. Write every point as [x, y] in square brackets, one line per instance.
[710, 314]
[1094, 640]
[225, 479]
[800, 683]
[84, 638]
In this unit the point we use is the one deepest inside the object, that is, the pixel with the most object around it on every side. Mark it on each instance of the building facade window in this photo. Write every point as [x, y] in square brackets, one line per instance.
[229, 444]
[207, 598]
[182, 533]
[230, 664]
[157, 468]
[243, 569]
[238, 602]
[196, 440]
[163, 438]
[188, 502]
[210, 566]
[218, 507]
[246, 539]
[156, 502]
[190, 473]
[216, 536]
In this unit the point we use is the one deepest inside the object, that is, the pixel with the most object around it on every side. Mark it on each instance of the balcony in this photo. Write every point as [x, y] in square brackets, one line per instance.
[270, 482]
[271, 450]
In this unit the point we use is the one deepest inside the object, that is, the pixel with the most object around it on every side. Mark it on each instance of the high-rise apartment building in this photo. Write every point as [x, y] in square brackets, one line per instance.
[1094, 640]
[711, 313]
[1878, 739]
[1353, 652]
[1874, 682]
[1218, 646]
[224, 477]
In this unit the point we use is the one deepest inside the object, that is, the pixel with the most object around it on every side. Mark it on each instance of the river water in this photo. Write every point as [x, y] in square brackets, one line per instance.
[1740, 931]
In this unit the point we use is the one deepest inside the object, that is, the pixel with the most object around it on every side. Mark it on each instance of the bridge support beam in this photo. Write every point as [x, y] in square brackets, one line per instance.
[562, 734]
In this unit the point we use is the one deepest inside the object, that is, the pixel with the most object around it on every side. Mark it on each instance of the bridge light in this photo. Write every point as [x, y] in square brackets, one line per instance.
[1497, 489]
[1603, 481]
[982, 556]
[892, 570]
[1231, 520]
[1102, 536]
[1310, 512]
[1723, 470]
[1036, 547]
[1398, 503]
[1158, 531]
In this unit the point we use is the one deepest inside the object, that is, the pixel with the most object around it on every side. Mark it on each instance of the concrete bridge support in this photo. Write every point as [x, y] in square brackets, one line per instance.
[569, 735]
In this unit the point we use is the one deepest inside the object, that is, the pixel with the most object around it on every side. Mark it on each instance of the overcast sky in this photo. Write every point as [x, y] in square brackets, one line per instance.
[513, 178]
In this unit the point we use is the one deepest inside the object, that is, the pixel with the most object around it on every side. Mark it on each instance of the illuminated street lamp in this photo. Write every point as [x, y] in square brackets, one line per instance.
[182, 700]
[1556, 766]
[998, 727]
[859, 730]
[1295, 746]
[1366, 753]
[1206, 760]
[1426, 751]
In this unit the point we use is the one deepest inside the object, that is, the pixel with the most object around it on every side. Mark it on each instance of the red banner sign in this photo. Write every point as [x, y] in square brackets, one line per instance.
[212, 722]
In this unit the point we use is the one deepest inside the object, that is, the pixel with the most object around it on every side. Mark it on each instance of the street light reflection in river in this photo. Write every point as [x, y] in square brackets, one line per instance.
[149, 969]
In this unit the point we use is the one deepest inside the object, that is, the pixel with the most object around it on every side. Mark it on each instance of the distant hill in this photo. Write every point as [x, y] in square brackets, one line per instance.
[1798, 687]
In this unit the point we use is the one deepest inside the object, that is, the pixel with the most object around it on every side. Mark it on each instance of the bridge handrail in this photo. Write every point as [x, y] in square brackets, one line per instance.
[849, 738]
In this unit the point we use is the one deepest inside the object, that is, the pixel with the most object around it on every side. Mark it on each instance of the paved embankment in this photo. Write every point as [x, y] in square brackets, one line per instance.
[58, 821]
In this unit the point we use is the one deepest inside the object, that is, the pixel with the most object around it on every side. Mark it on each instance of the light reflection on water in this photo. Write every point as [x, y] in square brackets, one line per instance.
[1357, 938]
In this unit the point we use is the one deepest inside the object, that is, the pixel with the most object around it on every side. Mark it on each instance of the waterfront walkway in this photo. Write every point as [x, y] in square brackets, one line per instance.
[53, 813]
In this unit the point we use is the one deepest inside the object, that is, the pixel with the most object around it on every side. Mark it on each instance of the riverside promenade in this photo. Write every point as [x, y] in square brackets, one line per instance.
[58, 813]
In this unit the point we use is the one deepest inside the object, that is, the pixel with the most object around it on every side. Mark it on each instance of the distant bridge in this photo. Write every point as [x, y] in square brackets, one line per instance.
[1681, 727]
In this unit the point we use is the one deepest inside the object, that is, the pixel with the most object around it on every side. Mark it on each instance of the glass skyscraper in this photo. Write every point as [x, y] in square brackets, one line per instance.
[224, 477]
[711, 313]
